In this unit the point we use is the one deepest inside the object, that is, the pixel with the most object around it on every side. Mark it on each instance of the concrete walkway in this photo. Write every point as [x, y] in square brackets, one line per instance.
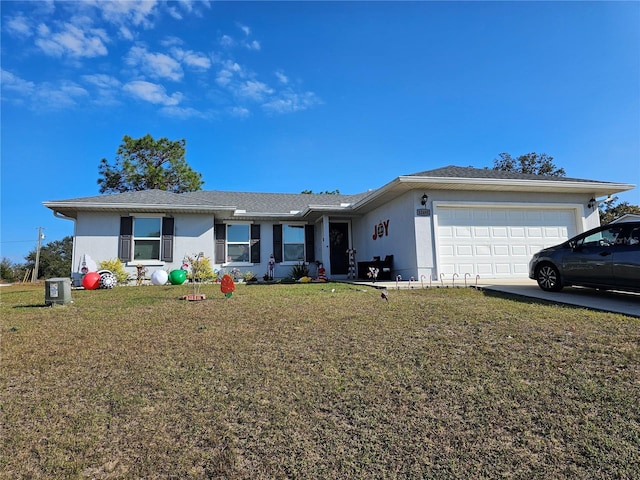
[607, 301]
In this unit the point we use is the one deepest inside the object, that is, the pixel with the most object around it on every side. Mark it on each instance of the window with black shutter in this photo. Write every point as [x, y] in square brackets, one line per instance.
[277, 243]
[167, 239]
[255, 243]
[124, 242]
[220, 247]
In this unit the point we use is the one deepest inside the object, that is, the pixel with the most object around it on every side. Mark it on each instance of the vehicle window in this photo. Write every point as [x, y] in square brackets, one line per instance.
[603, 238]
[634, 237]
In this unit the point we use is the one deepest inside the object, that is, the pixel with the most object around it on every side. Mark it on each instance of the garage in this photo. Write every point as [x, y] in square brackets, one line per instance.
[497, 241]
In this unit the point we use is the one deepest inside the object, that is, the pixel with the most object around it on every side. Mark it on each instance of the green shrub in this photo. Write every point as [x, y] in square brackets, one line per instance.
[201, 270]
[298, 271]
[116, 267]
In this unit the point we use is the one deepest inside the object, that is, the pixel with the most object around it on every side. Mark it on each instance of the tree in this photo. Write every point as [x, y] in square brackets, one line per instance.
[529, 163]
[609, 211]
[326, 192]
[145, 163]
[7, 270]
[55, 258]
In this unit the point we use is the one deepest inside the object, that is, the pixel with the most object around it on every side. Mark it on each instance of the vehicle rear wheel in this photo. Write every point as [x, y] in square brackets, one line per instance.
[548, 278]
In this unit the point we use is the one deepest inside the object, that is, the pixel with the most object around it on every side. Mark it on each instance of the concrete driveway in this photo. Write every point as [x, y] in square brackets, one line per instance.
[607, 301]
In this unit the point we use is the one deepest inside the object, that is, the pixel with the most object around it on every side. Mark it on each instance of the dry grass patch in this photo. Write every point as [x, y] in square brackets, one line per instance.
[294, 381]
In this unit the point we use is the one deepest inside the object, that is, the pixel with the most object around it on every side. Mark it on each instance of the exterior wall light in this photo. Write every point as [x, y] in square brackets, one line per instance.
[592, 203]
[424, 199]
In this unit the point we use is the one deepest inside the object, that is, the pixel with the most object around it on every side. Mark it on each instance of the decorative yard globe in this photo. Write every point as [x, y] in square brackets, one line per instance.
[159, 277]
[107, 279]
[91, 281]
[177, 277]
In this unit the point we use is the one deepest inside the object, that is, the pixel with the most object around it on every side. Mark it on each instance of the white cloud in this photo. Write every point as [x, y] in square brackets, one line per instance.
[72, 41]
[101, 80]
[174, 13]
[254, 90]
[156, 65]
[16, 84]
[66, 94]
[152, 93]
[125, 33]
[282, 78]
[18, 26]
[45, 96]
[227, 41]
[245, 29]
[254, 45]
[126, 12]
[290, 102]
[107, 88]
[239, 112]
[181, 112]
[228, 72]
[192, 59]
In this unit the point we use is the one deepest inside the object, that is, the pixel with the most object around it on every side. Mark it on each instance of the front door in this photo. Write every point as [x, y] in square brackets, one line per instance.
[338, 246]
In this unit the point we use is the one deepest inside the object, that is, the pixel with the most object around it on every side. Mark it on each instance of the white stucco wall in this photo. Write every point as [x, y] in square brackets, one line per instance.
[411, 237]
[97, 235]
[397, 239]
[403, 234]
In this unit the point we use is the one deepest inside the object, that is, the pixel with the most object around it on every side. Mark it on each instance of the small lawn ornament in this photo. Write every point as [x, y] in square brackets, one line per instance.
[227, 286]
[322, 273]
[88, 264]
[351, 253]
[91, 281]
[177, 277]
[373, 273]
[272, 266]
[384, 295]
[140, 274]
[159, 277]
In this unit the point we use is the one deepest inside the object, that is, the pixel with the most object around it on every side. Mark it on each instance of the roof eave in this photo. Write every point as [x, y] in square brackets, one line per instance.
[405, 183]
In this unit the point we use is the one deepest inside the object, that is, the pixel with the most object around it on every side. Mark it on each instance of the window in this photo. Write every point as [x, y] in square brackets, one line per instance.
[238, 243]
[146, 238]
[293, 243]
[603, 238]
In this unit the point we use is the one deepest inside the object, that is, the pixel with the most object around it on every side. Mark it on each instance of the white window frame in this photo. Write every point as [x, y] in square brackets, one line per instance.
[246, 262]
[302, 225]
[136, 239]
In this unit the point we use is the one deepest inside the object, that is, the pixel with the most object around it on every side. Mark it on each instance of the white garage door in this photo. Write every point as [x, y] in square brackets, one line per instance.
[496, 242]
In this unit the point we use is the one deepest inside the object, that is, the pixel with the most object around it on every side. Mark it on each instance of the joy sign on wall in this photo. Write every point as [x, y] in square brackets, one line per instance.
[381, 230]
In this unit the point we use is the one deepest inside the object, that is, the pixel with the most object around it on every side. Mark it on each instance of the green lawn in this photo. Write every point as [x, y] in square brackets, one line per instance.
[301, 381]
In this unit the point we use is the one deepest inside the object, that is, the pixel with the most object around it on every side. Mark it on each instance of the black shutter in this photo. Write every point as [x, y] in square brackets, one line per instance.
[277, 243]
[221, 237]
[309, 240]
[255, 243]
[126, 236]
[167, 239]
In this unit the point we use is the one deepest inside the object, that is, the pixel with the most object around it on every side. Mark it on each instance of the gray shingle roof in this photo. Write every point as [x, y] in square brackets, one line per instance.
[453, 171]
[270, 202]
[249, 201]
[154, 197]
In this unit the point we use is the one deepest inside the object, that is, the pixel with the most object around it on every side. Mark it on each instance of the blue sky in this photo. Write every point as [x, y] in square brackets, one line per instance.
[289, 96]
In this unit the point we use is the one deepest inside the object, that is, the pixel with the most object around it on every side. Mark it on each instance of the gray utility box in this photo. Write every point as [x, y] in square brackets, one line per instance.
[57, 290]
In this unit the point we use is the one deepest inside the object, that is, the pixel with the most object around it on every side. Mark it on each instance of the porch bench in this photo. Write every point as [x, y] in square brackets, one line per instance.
[384, 268]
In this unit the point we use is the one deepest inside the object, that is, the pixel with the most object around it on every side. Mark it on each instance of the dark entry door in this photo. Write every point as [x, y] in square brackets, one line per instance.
[338, 246]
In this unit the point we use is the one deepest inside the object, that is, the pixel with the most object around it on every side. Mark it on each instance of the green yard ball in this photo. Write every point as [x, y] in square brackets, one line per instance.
[177, 277]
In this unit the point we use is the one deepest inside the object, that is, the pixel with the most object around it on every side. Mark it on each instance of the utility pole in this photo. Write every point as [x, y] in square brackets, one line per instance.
[34, 277]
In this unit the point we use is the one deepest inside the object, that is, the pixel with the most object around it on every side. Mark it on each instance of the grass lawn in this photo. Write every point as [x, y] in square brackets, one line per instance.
[300, 381]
